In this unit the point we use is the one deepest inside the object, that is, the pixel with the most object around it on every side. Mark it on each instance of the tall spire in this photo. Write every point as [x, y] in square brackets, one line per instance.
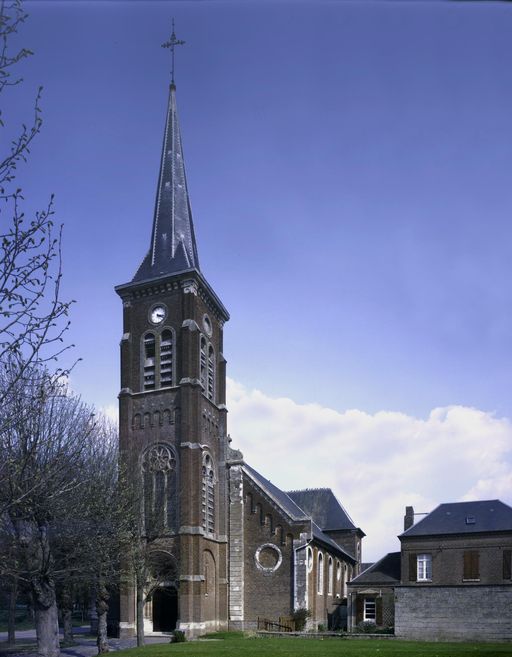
[173, 243]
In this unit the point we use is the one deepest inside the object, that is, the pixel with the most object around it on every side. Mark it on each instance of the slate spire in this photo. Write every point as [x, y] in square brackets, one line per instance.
[173, 243]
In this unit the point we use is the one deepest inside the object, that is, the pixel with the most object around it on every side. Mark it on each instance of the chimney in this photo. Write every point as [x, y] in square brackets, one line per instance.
[408, 518]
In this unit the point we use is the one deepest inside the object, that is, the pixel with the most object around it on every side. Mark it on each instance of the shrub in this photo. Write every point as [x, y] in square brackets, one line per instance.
[300, 617]
[321, 627]
[178, 637]
[366, 627]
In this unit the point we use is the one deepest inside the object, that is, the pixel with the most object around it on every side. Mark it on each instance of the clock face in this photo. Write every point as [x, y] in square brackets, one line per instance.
[157, 314]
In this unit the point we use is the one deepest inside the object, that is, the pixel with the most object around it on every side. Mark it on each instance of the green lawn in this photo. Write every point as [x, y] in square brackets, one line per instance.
[236, 646]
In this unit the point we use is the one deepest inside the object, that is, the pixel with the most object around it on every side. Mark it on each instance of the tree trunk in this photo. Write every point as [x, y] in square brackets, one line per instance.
[66, 609]
[102, 597]
[34, 541]
[140, 615]
[11, 620]
[67, 626]
[47, 630]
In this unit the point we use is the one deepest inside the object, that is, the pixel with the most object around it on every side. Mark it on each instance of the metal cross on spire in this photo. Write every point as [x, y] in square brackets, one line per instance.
[171, 44]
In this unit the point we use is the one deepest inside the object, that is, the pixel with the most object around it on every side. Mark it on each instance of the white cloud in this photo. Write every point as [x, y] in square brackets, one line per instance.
[376, 464]
[112, 412]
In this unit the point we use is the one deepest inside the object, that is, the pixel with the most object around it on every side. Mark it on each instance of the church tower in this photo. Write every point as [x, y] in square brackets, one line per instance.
[172, 414]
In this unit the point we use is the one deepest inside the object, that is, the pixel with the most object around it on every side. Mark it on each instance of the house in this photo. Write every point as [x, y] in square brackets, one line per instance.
[371, 595]
[456, 573]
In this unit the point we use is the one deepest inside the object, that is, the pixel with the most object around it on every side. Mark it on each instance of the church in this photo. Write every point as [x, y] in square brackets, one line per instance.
[225, 547]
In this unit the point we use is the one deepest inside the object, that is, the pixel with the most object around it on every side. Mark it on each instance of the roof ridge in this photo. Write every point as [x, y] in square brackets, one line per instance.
[303, 490]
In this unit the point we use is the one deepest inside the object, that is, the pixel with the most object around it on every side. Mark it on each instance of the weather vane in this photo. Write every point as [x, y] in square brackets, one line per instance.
[171, 44]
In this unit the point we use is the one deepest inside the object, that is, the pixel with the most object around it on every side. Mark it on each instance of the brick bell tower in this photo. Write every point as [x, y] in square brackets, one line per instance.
[172, 414]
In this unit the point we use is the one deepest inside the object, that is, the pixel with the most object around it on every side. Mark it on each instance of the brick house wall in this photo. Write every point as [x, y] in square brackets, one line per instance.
[484, 556]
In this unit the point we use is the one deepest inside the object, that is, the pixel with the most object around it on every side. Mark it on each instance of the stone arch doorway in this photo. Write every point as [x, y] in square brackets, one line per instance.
[161, 610]
[165, 609]
[210, 586]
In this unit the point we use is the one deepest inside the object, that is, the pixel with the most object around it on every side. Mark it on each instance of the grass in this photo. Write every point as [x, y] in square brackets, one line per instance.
[236, 645]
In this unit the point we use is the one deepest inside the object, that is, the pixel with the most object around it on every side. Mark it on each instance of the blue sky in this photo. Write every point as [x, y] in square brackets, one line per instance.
[349, 172]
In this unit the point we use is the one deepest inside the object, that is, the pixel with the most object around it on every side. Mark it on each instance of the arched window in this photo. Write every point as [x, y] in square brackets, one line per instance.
[208, 494]
[158, 360]
[309, 559]
[158, 467]
[345, 578]
[149, 361]
[211, 373]
[202, 364]
[207, 368]
[338, 571]
[320, 574]
[166, 358]
[330, 575]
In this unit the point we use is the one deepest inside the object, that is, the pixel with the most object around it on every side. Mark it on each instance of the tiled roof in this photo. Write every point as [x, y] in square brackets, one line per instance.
[173, 244]
[464, 518]
[321, 504]
[384, 571]
[288, 505]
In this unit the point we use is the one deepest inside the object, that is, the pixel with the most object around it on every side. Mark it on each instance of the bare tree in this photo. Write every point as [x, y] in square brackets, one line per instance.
[107, 512]
[33, 318]
[45, 449]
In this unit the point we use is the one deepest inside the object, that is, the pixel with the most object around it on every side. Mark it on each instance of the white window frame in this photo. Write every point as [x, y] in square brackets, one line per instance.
[424, 567]
[320, 574]
[330, 575]
[309, 559]
[370, 610]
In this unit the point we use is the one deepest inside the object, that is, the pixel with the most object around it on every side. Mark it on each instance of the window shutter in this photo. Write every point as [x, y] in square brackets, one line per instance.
[475, 566]
[359, 608]
[467, 565]
[471, 565]
[413, 568]
[507, 564]
[378, 614]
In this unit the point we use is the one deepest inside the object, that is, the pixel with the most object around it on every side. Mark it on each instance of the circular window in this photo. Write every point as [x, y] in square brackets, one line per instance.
[268, 558]
[207, 325]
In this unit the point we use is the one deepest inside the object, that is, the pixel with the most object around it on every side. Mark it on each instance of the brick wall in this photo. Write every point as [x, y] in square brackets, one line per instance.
[454, 613]
[267, 592]
[448, 557]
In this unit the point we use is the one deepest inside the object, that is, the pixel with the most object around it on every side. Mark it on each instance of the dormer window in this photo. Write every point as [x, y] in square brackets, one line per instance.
[470, 520]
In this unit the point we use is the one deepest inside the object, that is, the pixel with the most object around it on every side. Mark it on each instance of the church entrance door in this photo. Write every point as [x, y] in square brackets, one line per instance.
[165, 609]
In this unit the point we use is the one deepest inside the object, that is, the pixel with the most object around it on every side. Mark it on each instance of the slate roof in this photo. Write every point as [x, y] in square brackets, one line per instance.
[284, 500]
[173, 244]
[279, 496]
[384, 571]
[464, 518]
[321, 504]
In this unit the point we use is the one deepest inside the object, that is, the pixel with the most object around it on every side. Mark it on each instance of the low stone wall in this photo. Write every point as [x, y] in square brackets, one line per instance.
[454, 613]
